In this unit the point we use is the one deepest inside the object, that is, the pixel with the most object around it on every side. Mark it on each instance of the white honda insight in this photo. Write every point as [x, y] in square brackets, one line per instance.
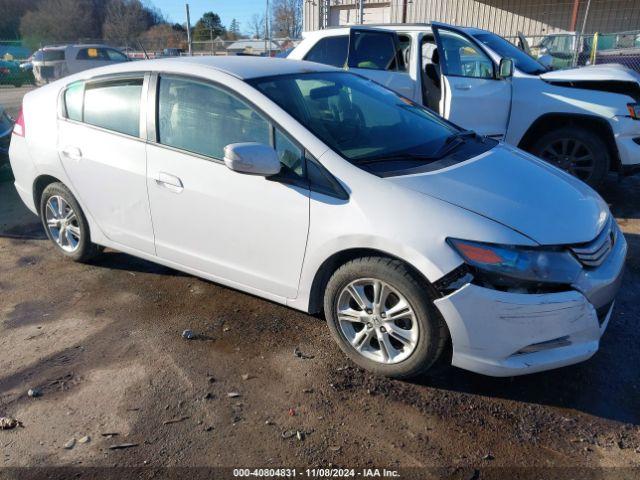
[321, 190]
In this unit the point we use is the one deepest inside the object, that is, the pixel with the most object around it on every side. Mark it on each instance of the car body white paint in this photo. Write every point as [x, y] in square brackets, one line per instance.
[271, 240]
[507, 108]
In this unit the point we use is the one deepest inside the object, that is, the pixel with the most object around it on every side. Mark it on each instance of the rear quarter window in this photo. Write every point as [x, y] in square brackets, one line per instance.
[73, 101]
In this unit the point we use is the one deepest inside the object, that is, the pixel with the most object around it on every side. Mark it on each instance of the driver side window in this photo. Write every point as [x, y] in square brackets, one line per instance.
[462, 58]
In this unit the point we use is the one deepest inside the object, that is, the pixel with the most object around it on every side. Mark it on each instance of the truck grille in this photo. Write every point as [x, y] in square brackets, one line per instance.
[593, 253]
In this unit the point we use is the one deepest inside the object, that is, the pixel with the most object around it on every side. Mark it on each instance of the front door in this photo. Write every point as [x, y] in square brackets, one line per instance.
[379, 55]
[244, 230]
[473, 96]
[104, 157]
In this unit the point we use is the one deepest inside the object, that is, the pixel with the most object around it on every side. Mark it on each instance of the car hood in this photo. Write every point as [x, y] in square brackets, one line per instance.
[519, 191]
[593, 73]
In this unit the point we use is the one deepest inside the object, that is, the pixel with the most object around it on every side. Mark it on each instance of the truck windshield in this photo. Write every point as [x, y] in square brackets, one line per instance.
[504, 48]
[362, 121]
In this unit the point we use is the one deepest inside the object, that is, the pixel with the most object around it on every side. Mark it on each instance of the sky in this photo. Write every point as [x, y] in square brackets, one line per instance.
[242, 10]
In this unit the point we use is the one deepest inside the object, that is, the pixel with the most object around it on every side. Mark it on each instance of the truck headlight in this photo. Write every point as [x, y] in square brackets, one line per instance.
[634, 110]
[508, 266]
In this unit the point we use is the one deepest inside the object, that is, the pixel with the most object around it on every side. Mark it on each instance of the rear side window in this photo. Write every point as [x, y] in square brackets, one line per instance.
[330, 51]
[203, 119]
[48, 55]
[114, 105]
[374, 50]
[92, 53]
[73, 101]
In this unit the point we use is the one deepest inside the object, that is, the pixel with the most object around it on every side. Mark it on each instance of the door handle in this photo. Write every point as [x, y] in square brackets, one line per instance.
[464, 86]
[170, 182]
[74, 153]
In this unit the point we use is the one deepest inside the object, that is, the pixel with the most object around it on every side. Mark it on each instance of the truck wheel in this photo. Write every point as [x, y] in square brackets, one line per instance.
[65, 223]
[383, 318]
[578, 151]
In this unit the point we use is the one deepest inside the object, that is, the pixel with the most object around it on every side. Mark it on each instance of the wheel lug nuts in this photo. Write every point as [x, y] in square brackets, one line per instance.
[369, 325]
[383, 315]
[369, 311]
[382, 329]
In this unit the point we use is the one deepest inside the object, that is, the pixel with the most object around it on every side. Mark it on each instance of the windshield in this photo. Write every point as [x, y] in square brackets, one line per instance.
[504, 48]
[356, 117]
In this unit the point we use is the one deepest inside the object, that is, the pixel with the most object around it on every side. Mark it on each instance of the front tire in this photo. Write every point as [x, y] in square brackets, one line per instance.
[578, 151]
[65, 223]
[383, 317]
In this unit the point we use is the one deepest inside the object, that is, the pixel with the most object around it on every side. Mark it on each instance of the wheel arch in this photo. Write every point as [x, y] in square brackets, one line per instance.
[39, 184]
[551, 121]
[337, 259]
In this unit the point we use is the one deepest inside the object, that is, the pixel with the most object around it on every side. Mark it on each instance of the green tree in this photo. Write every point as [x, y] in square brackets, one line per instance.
[234, 30]
[208, 27]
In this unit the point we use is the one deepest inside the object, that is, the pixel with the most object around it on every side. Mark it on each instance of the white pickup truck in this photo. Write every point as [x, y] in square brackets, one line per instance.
[585, 120]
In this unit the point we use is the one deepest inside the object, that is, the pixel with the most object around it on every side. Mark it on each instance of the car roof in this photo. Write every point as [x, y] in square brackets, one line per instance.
[242, 67]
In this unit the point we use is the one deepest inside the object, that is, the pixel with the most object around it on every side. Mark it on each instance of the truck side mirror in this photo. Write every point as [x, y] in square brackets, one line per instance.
[505, 70]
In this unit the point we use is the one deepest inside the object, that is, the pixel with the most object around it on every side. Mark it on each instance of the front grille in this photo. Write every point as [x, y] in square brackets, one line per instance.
[595, 252]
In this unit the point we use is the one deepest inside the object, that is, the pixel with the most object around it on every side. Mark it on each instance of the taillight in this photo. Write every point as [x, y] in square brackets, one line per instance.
[18, 127]
[5, 71]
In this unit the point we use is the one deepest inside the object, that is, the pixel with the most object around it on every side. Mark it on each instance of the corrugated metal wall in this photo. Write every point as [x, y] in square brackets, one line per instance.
[505, 17]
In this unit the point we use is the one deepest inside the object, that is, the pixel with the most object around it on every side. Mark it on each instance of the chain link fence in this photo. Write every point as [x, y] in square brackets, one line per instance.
[569, 50]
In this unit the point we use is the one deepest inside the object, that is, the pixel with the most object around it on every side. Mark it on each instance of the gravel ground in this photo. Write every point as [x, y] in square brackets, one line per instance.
[102, 343]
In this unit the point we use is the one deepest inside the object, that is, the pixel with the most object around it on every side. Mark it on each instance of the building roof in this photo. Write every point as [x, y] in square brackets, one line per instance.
[252, 44]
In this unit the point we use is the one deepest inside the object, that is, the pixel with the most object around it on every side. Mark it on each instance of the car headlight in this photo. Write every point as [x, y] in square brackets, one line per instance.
[509, 266]
[634, 110]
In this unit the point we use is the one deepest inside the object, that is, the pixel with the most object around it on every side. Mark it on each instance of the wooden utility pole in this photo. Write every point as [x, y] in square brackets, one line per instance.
[188, 29]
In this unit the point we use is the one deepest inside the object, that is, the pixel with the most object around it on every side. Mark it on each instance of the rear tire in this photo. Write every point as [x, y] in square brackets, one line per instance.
[578, 151]
[411, 339]
[65, 223]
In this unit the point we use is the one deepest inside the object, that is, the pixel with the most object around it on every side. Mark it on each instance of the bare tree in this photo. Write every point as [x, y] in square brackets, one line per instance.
[256, 25]
[125, 20]
[60, 20]
[163, 36]
[287, 18]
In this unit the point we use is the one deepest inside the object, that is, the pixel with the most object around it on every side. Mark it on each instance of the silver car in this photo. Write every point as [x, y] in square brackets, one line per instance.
[52, 63]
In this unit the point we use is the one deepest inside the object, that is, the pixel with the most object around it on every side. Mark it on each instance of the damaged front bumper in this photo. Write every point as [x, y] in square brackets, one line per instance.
[502, 334]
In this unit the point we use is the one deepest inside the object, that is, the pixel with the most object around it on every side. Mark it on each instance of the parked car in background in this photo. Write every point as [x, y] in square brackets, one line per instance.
[620, 48]
[12, 74]
[52, 63]
[171, 52]
[6, 127]
[324, 191]
[585, 121]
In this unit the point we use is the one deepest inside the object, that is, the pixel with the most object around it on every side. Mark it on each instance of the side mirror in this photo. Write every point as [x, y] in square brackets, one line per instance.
[505, 70]
[252, 158]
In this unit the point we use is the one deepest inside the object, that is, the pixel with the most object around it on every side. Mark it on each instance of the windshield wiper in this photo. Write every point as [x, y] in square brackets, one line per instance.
[451, 142]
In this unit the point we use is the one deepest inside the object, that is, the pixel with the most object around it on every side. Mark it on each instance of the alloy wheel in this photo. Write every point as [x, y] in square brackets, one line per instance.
[570, 155]
[377, 320]
[62, 223]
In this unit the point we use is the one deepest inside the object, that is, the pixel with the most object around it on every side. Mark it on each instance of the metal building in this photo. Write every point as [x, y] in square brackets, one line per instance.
[505, 17]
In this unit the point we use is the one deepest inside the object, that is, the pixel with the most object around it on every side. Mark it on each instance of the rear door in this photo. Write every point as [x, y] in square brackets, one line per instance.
[103, 154]
[378, 54]
[473, 96]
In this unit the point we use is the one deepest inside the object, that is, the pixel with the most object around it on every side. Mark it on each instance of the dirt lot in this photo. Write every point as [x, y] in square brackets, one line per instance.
[103, 344]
